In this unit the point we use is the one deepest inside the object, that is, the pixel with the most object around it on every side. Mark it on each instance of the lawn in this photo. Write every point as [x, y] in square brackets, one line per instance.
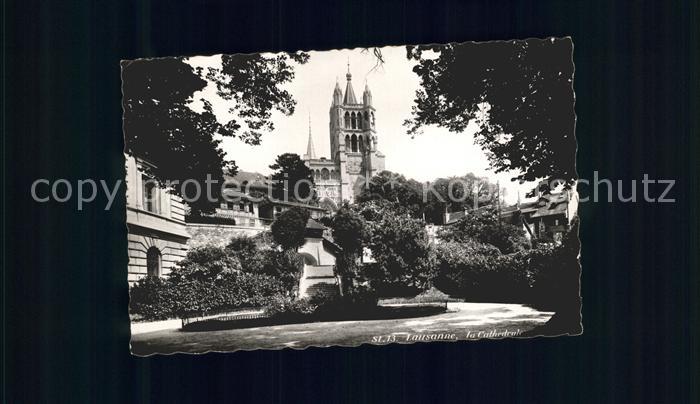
[462, 321]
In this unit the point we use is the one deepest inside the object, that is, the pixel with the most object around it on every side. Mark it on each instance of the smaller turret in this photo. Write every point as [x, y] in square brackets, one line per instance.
[337, 94]
[367, 96]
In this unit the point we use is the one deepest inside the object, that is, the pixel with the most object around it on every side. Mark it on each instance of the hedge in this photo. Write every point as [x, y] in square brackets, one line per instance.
[157, 299]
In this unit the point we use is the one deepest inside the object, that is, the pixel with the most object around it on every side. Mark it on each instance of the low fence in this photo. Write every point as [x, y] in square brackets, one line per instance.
[243, 314]
[436, 303]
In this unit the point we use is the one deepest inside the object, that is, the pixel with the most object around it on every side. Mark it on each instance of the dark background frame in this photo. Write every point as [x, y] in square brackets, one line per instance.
[65, 324]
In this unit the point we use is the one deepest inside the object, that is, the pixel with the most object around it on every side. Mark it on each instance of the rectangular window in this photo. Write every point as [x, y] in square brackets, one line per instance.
[151, 196]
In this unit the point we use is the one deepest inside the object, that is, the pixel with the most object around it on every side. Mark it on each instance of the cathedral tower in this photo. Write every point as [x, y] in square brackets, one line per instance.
[353, 138]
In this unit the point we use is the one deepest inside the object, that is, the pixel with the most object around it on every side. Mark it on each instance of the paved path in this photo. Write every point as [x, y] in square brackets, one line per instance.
[175, 324]
[463, 321]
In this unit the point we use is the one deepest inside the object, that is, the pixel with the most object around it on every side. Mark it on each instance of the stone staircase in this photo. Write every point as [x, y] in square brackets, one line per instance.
[318, 280]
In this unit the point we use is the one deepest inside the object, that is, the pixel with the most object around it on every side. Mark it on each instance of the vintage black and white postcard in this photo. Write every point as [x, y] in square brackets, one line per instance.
[378, 195]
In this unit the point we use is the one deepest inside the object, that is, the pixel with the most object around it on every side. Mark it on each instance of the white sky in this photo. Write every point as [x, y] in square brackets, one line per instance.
[435, 153]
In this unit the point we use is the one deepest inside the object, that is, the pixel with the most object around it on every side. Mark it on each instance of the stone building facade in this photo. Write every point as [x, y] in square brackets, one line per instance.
[155, 220]
[354, 157]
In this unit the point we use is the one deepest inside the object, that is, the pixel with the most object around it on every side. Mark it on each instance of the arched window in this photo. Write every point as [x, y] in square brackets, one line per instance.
[308, 259]
[347, 119]
[153, 261]
[353, 141]
[359, 120]
[366, 117]
[361, 140]
[325, 174]
[347, 143]
[373, 119]
[317, 175]
[353, 119]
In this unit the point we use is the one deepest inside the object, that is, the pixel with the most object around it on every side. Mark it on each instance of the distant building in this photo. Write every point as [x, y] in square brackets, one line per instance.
[354, 157]
[548, 217]
[245, 209]
[155, 221]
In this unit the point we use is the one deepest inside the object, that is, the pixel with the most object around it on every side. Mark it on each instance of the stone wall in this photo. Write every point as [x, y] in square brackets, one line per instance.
[217, 234]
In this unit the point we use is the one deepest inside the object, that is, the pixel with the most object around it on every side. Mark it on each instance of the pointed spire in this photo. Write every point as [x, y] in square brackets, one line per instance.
[310, 151]
[349, 93]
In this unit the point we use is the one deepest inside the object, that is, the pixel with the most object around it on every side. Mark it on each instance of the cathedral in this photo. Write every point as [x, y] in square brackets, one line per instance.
[354, 157]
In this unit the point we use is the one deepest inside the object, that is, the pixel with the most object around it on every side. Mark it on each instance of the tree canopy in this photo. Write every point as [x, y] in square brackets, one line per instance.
[430, 200]
[162, 127]
[395, 188]
[399, 244]
[289, 227]
[521, 92]
[293, 180]
[349, 232]
[349, 229]
[456, 194]
[484, 226]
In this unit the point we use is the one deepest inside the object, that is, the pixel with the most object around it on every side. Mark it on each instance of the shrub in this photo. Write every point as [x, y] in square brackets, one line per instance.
[543, 276]
[206, 263]
[212, 279]
[461, 267]
[357, 300]
[553, 273]
[246, 250]
[264, 240]
[480, 272]
[284, 306]
[285, 266]
[361, 295]
[151, 298]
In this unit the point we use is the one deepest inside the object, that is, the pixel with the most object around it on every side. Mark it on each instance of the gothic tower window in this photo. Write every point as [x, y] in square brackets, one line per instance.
[153, 262]
[353, 119]
[347, 119]
[347, 143]
[372, 118]
[354, 143]
[366, 117]
[362, 144]
[325, 174]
